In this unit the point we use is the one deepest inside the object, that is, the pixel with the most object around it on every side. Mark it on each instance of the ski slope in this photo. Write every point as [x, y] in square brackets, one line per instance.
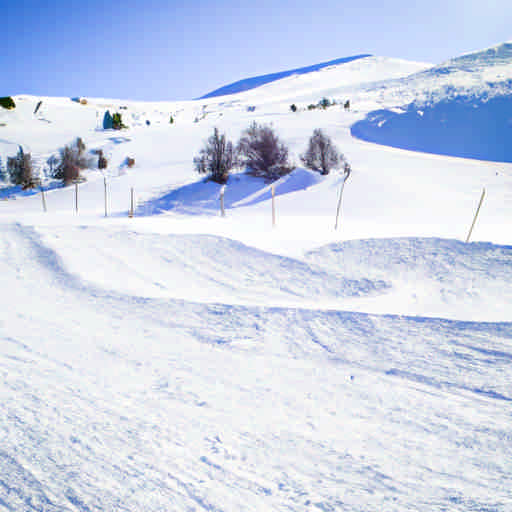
[180, 360]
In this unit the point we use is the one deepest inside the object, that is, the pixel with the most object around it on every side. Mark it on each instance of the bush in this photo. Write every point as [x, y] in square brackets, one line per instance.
[311, 106]
[293, 107]
[263, 153]
[324, 103]
[20, 170]
[102, 161]
[216, 158]
[7, 102]
[321, 154]
[72, 160]
[117, 121]
[130, 162]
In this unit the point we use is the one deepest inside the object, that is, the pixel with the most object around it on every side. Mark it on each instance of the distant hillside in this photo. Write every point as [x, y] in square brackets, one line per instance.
[251, 83]
[462, 108]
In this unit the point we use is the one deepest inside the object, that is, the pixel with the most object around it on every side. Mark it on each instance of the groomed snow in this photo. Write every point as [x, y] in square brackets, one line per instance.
[185, 361]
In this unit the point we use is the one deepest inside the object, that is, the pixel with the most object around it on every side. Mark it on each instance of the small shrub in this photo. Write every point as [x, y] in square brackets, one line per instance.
[216, 158]
[72, 160]
[311, 106]
[83, 101]
[263, 153]
[102, 161]
[7, 102]
[171, 120]
[20, 170]
[117, 121]
[321, 154]
[324, 103]
[130, 162]
[293, 107]
[346, 105]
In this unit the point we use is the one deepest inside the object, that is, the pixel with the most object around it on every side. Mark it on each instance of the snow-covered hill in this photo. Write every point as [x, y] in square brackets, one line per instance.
[180, 360]
[257, 81]
[462, 107]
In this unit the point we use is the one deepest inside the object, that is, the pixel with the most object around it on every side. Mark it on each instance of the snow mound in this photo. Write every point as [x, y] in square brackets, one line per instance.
[242, 189]
[462, 108]
[429, 275]
[465, 126]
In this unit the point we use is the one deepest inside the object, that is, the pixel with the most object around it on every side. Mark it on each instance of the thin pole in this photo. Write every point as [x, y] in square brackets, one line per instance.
[339, 203]
[76, 197]
[105, 184]
[43, 199]
[476, 215]
[222, 211]
[273, 205]
[131, 203]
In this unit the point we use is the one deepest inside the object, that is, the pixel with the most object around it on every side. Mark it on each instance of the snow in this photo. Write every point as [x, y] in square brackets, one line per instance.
[465, 108]
[181, 360]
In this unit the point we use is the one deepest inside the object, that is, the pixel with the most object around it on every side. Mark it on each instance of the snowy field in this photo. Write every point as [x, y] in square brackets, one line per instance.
[184, 361]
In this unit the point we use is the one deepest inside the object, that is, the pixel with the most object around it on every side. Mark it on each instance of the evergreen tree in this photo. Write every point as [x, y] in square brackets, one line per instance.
[107, 121]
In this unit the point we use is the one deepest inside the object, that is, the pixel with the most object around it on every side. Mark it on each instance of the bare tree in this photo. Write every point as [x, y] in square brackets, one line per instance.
[20, 170]
[216, 158]
[102, 160]
[72, 160]
[321, 154]
[263, 153]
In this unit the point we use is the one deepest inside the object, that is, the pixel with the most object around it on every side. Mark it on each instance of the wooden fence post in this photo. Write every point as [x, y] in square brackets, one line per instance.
[273, 205]
[476, 215]
[130, 214]
[105, 186]
[338, 208]
[43, 199]
[222, 191]
[346, 174]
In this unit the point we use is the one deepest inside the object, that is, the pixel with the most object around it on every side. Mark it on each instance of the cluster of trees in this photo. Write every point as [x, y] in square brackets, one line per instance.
[324, 103]
[114, 121]
[66, 167]
[263, 154]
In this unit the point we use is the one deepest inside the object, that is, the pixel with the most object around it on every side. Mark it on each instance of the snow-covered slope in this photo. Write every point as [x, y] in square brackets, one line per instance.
[180, 360]
[257, 81]
[462, 107]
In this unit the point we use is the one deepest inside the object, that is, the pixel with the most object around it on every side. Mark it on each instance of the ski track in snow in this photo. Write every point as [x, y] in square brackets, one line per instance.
[132, 403]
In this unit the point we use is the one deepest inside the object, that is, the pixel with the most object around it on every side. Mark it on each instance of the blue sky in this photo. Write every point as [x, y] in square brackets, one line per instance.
[167, 50]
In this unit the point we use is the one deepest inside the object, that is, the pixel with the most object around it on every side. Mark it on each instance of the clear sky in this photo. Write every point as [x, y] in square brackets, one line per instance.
[178, 49]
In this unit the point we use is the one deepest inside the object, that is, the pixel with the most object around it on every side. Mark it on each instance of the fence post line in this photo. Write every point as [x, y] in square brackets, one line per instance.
[273, 205]
[476, 215]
